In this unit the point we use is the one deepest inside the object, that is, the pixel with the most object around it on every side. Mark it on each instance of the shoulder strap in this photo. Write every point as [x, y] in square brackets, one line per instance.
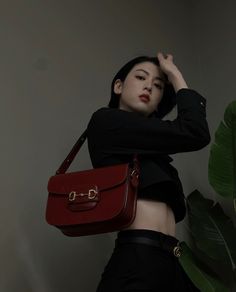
[75, 149]
[70, 157]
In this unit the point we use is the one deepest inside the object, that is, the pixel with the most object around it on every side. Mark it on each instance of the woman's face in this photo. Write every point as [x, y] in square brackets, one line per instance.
[143, 79]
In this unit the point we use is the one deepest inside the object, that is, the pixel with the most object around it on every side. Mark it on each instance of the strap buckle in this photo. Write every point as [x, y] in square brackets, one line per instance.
[177, 250]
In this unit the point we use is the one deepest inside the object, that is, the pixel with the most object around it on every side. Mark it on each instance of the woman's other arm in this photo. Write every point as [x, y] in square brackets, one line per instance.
[174, 75]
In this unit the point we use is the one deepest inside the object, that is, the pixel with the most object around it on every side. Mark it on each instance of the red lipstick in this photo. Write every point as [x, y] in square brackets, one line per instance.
[144, 97]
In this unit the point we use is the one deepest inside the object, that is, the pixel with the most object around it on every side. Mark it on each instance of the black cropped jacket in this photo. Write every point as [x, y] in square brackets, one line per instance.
[114, 135]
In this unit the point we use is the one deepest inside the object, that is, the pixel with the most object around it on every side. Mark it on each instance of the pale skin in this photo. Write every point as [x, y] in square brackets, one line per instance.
[141, 79]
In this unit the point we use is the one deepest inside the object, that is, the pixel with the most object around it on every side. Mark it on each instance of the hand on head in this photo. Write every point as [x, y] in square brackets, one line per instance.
[166, 63]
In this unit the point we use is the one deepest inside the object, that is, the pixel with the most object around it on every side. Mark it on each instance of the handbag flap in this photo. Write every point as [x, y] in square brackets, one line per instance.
[103, 178]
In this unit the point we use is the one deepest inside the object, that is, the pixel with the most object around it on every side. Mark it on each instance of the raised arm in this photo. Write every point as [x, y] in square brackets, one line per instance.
[118, 131]
[170, 69]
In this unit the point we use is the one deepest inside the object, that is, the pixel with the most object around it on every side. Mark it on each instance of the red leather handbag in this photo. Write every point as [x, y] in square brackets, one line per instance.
[92, 201]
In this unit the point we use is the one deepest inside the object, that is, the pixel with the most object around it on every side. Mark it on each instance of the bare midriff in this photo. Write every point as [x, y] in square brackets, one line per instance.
[153, 215]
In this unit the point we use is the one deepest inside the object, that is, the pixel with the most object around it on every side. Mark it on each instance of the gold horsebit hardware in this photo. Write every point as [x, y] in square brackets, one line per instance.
[91, 195]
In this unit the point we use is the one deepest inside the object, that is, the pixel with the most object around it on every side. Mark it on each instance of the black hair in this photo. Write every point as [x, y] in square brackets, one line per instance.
[168, 100]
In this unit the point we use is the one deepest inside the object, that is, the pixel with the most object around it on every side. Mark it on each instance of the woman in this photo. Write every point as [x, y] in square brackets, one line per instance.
[145, 257]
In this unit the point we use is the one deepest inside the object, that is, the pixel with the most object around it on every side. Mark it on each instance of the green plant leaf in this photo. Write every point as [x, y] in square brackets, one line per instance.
[222, 159]
[213, 232]
[202, 280]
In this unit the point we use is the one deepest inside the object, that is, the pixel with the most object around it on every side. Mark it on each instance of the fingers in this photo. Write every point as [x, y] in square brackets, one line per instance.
[162, 56]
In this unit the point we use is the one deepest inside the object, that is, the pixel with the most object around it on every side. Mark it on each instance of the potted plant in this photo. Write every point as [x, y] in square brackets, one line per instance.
[210, 258]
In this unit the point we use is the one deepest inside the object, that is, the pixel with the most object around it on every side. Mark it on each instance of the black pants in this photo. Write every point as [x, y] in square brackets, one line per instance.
[144, 267]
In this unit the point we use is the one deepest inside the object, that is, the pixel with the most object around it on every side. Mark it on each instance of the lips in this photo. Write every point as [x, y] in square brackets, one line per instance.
[144, 97]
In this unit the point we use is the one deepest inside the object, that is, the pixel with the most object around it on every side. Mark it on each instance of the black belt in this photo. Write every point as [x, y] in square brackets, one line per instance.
[173, 248]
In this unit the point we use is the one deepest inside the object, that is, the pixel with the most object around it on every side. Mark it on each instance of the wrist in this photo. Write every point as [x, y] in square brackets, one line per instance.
[176, 79]
[174, 75]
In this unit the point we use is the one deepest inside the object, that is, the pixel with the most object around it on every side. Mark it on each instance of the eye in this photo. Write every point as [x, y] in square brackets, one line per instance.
[158, 86]
[140, 77]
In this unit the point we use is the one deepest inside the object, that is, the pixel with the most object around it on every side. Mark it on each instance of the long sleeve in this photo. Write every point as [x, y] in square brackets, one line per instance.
[118, 131]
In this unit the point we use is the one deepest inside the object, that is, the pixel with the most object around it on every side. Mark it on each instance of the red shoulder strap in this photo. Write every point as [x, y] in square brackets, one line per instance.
[75, 149]
[70, 157]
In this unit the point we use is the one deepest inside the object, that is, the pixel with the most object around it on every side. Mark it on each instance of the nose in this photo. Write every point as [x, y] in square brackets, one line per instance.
[148, 87]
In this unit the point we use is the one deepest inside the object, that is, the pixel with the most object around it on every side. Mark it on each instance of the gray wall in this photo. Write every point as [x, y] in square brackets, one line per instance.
[57, 62]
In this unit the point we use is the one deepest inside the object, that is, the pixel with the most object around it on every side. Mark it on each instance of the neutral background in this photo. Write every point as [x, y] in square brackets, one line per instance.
[57, 61]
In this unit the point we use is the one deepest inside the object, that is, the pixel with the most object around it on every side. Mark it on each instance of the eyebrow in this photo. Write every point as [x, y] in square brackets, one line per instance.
[158, 78]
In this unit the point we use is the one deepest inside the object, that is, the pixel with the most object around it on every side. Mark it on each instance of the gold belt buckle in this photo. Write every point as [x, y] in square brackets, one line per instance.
[177, 250]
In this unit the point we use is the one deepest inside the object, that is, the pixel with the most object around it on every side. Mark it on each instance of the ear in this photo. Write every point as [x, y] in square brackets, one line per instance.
[118, 85]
